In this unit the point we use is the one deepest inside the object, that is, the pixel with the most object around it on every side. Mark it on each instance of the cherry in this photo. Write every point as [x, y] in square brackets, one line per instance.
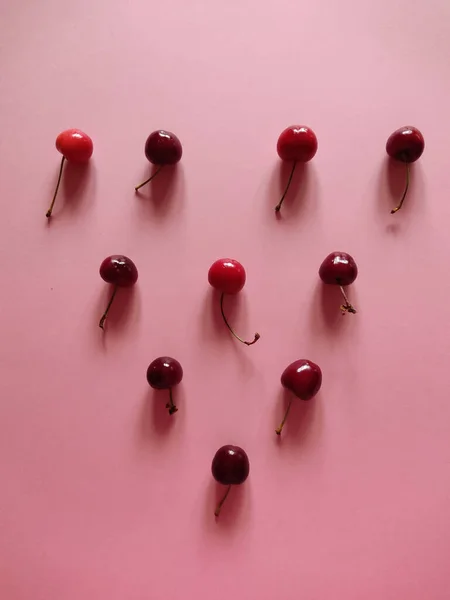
[297, 143]
[228, 277]
[161, 148]
[164, 373]
[339, 268]
[119, 271]
[303, 378]
[406, 145]
[230, 466]
[75, 146]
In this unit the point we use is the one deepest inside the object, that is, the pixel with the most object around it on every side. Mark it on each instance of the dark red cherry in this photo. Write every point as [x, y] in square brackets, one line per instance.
[75, 146]
[164, 373]
[230, 466]
[228, 277]
[406, 145]
[119, 271]
[339, 268]
[162, 148]
[303, 378]
[297, 143]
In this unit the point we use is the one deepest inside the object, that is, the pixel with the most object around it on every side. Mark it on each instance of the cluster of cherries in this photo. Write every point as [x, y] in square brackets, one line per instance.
[303, 378]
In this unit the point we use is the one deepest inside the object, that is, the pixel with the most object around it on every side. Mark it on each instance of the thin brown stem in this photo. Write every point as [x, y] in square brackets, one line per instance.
[105, 314]
[170, 405]
[138, 187]
[397, 208]
[50, 210]
[278, 206]
[346, 307]
[255, 339]
[219, 506]
[280, 428]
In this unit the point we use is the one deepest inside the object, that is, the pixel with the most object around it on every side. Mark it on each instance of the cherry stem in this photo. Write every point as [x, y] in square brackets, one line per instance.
[280, 428]
[148, 180]
[278, 206]
[219, 506]
[394, 210]
[255, 339]
[105, 314]
[49, 212]
[347, 307]
[170, 405]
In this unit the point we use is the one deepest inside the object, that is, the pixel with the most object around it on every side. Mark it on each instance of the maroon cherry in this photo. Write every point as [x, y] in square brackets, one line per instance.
[164, 373]
[339, 268]
[75, 146]
[119, 271]
[230, 466]
[228, 277]
[406, 145]
[297, 143]
[161, 148]
[303, 378]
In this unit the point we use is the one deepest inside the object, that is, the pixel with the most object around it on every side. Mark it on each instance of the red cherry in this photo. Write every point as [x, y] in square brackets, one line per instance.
[406, 145]
[303, 378]
[119, 271]
[297, 143]
[230, 466]
[228, 277]
[161, 148]
[339, 268]
[164, 373]
[75, 146]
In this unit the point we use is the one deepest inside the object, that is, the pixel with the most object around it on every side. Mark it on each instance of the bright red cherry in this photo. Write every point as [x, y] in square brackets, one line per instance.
[297, 143]
[75, 146]
[406, 145]
[119, 271]
[339, 268]
[230, 466]
[228, 277]
[164, 373]
[161, 148]
[303, 378]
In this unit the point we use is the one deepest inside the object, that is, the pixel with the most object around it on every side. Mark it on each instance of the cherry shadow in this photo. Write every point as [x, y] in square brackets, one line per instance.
[299, 424]
[298, 199]
[158, 197]
[233, 510]
[124, 311]
[391, 185]
[76, 186]
[325, 308]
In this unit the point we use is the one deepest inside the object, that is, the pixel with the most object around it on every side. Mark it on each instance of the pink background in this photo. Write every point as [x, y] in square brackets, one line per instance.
[105, 497]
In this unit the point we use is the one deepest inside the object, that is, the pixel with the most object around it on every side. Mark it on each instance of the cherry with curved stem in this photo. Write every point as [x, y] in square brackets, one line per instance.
[50, 210]
[400, 204]
[278, 206]
[280, 428]
[255, 339]
[105, 314]
[170, 405]
[347, 307]
[138, 187]
[221, 503]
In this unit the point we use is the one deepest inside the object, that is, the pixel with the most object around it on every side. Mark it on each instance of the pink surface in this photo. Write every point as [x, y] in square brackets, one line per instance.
[105, 497]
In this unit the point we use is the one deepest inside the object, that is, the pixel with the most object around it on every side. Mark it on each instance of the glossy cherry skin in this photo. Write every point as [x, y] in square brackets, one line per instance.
[119, 270]
[227, 276]
[230, 465]
[303, 378]
[75, 145]
[297, 143]
[405, 144]
[339, 268]
[163, 148]
[164, 373]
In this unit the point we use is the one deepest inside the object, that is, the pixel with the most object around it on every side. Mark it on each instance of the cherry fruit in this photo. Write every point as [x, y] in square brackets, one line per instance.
[164, 373]
[228, 277]
[303, 378]
[75, 146]
[161, 148]
[297, 143]
[230, 466]
[119, 271]
[339, 268]
[406, 145]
